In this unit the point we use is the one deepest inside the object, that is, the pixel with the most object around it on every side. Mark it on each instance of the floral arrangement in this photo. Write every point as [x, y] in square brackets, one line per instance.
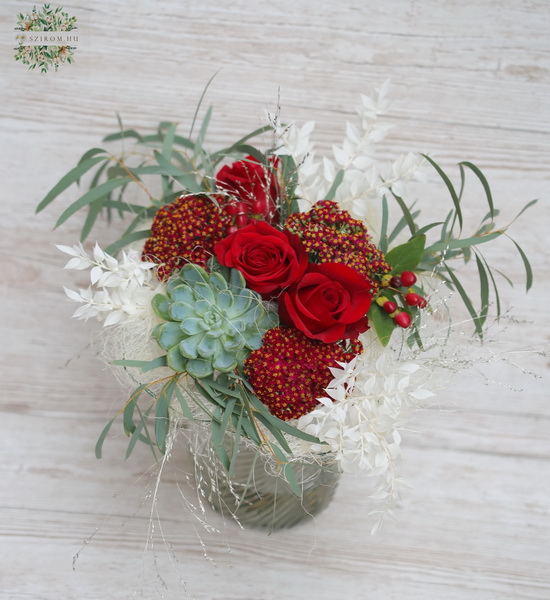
[273, 297]
[45, 19]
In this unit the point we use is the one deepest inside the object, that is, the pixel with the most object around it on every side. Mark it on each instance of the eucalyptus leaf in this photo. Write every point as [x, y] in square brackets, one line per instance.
[452, 191]
[94, 194]
[71, 177]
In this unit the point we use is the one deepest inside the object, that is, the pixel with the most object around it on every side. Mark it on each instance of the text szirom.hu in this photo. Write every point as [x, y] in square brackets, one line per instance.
[46, 38]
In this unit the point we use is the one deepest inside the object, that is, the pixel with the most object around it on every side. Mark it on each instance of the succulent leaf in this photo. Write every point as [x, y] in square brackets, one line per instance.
[213, 321]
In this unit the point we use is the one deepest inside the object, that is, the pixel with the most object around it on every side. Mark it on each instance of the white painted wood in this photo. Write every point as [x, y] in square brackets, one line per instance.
[471, 80]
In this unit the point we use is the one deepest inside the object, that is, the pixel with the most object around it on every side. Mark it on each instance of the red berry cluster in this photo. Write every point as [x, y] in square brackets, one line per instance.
[290, 371]
[185, 231]
[330, 235]
[409, 298]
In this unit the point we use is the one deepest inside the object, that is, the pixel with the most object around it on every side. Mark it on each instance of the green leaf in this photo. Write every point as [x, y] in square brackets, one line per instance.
[183, 403]
[218, 438]
[463, 243]
[156, 363]
[120, 135]
[216, 157]
[383, 243]
[128, 412]
[127, 239]
[200, 102]
[216, 385]
[137, 435]
[94, 194]
[426, 228]
[236, 443]
[526, 264]
[277, 434]
[466, 300]
[279, 423]
[101, 439]
[93, 212]
[401, 225]
[71, 177]
[168, 141]
[528, 205]
[290, 477]
[335, 184]
[484, 183]
[202, 132]
[91, 153]
[407, 256]
[452, 191]
[483, 291]
[162, 414]
[406, 213]
[383, 324]
[129, 363]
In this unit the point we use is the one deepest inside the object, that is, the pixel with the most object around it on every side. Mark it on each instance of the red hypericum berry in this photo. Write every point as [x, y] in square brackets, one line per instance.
[422, 303]
[258, 207]
[241, 220]
[396, 282]
[403, 319]
[408, 278]
[412, 299]
[389, 307]
[242, 208]
[231, 209]
[231, 229]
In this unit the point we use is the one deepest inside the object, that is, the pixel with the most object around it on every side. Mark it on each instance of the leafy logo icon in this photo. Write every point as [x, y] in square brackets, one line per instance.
[45, 38]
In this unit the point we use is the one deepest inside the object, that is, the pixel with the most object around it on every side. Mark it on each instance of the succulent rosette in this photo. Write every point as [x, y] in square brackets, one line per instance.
[212, 323]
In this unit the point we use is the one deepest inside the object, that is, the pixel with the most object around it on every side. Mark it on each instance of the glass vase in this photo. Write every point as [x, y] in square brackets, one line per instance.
[255, 495]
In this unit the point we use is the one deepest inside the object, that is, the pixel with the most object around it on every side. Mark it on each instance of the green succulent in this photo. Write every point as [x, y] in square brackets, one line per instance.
[213, 322]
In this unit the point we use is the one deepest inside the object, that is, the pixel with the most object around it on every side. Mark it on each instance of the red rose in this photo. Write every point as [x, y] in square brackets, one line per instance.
[254, 184]
[270, 260]
[330, 303]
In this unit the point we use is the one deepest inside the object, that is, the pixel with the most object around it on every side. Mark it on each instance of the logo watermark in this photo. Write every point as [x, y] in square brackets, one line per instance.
[46, 38]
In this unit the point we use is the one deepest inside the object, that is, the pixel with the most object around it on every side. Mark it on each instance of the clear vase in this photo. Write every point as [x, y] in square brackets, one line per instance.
[256, 496]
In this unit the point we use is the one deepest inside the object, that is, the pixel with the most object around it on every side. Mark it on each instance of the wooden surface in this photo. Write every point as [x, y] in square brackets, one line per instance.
[471, 80]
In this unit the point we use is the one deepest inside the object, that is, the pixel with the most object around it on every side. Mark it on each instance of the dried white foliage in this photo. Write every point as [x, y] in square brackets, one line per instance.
[120, 288]
[369, 401]
[365, 179]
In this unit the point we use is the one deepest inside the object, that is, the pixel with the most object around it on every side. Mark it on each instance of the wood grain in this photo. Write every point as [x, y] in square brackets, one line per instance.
[471, 80]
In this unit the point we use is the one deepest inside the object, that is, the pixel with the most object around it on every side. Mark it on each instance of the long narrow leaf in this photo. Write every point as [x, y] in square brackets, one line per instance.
[200, 103]
[463, 243]
[484, 183]
[120, 135]
[218, 438]
[483, 291]
[452, 191]
[101, 439]
[187, 413]
[71, 177]
[526, 264]
[94, 194]
[127, 239]
[406, 213]
[383, 243]
[335, 185]
[282, 425]
[466, 300]
[494, 283]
